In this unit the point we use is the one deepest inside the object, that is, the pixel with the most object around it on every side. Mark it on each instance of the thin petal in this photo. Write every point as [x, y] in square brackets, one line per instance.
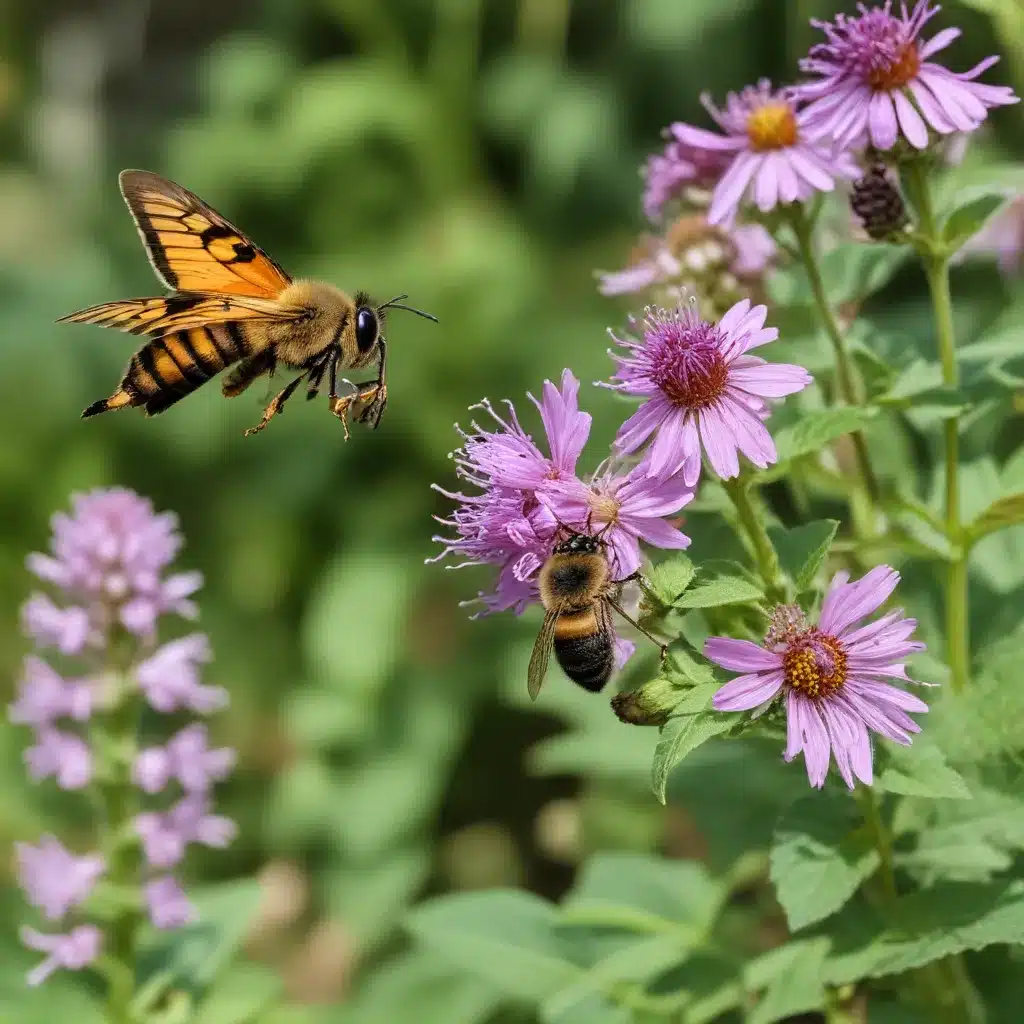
[847, 603]
[771, 380]
[639, 427]
[718, 444]
[667, 454]
[746, 692]
[730, 189]
[660, 533]
[882, 121]
[740, 655]
[914, 129]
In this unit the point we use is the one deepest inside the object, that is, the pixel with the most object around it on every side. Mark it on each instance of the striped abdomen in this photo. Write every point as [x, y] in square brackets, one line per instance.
[584, 647]
[167, 369]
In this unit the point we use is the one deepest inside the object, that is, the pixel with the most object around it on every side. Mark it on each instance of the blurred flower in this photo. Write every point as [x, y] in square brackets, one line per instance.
[61, 754]
[667, 173]
[170, 677]
[832, 675]
[108, 556]
[168, 905]
[874, 82]
[701, 389]
[878, 203]
[53, 879]
[1002, 237]
[73, 951]
[44, 696]
[623, 509]
[772, 160]
[166, 834]
[187, 758]
[67, 629]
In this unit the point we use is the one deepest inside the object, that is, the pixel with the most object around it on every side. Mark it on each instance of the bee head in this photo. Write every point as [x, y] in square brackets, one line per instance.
[579, 544]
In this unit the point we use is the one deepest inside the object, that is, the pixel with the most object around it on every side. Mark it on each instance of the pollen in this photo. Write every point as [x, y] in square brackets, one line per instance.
[898, 72]
[772, 126]
[604, 507]
[815, 665]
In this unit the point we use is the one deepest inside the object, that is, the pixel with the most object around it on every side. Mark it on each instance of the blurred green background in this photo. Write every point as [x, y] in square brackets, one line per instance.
[481, 155]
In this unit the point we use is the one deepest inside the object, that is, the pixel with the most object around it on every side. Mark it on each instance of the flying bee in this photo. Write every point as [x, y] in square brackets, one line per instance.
[231, 303]
[579, 595]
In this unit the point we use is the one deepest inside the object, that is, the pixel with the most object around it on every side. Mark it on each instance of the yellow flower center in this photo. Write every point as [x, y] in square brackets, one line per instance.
[896, 74]
[604, 507]
[815, 665]
[772, 126]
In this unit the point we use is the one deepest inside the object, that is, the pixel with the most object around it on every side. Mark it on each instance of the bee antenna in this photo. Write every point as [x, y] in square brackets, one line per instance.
[396, 303]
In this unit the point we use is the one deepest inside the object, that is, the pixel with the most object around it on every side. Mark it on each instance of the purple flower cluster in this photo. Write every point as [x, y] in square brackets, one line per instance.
[108, 563]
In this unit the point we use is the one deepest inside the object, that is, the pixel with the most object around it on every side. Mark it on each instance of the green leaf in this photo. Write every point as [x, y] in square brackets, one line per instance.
[194, 955]
[968, 219]
[934, 923]
[1001, 514]
[680, 736]
[792, 976]
[849, 272]
[921, 770]
[505, 937]
[816, 429]
[670, 578]
[719, 590]
[240, 996]
[802, 549]
[819, 858]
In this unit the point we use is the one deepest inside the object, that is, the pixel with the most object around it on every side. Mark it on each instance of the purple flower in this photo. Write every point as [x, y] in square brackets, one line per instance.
[168, 905]
[79, 948]
[109, 554]
[772, 159]
[61, 754]
[44, 696]
[165, 834]
[833, 675]
[67, 629]
[505, 524]
[874, 81]
[692, 250]
[623, 509]
[187, 758]
[702, 389]
[170, 677]
[678, 165]
[55, 880]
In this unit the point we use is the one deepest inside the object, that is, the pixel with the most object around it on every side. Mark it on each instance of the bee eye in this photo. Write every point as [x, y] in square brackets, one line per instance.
[366, 328]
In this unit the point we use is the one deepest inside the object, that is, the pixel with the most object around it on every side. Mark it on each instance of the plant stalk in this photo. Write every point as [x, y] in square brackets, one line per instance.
[768, 567]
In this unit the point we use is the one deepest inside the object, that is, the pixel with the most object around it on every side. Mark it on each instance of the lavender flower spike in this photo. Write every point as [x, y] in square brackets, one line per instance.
[832, 675]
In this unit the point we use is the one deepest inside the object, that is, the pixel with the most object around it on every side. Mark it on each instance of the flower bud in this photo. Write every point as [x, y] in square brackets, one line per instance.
[877, 202]
[650, 704]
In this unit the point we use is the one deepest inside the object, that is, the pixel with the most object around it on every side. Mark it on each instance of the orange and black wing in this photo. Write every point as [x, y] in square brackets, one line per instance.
[191, 246]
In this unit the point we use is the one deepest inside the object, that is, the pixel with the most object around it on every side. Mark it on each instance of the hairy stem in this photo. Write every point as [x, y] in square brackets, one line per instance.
[846, 376]
[936, 267]
[750, 518]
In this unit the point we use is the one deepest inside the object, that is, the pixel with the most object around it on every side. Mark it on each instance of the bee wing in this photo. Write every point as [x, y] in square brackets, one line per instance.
[168, 314]
[191, 246]
[541, 655]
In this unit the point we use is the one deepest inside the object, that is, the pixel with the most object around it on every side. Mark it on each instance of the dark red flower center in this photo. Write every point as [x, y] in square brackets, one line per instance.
[897, 72]
[686, 359]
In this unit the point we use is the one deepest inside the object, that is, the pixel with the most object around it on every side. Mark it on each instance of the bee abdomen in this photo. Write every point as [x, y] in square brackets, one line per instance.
[584, 649]
[167, 369]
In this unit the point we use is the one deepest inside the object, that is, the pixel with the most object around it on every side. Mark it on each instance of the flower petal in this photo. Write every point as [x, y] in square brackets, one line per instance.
[740, 655]
[746, 692]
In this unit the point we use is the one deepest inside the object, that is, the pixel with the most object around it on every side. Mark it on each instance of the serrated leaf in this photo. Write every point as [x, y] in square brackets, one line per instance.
[680, 663]
[719, 590]
[921, 770]
[802, 549]
[792, 978]
[670, 578]
[680, 736]
[506, 937]
[1000, 515]
[935, 923]
[817, 429]
[819, 857]
[968, 219]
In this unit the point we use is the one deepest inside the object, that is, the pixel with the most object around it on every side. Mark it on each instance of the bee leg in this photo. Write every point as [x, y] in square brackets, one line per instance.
[316, 375]
[366, 401]
[276, 405]
[247, 371]
[662, 647]
[645, 587]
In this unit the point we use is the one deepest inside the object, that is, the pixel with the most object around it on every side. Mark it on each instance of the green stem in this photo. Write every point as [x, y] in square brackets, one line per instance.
[846, 376]
[767, 560]
[936, 267]
[117, 734]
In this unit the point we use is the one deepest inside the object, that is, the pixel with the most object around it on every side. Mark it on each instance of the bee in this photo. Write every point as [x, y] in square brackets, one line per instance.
[579, 595]
[231, 303]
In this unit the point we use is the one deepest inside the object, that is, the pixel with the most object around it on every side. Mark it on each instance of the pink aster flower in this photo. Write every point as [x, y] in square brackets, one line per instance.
[54, 879]
[702, 389]
[833, 676]
[874, 81]
[668, 173]
[73, 951]
[505, 524]
[168, 905]
[772, 159]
